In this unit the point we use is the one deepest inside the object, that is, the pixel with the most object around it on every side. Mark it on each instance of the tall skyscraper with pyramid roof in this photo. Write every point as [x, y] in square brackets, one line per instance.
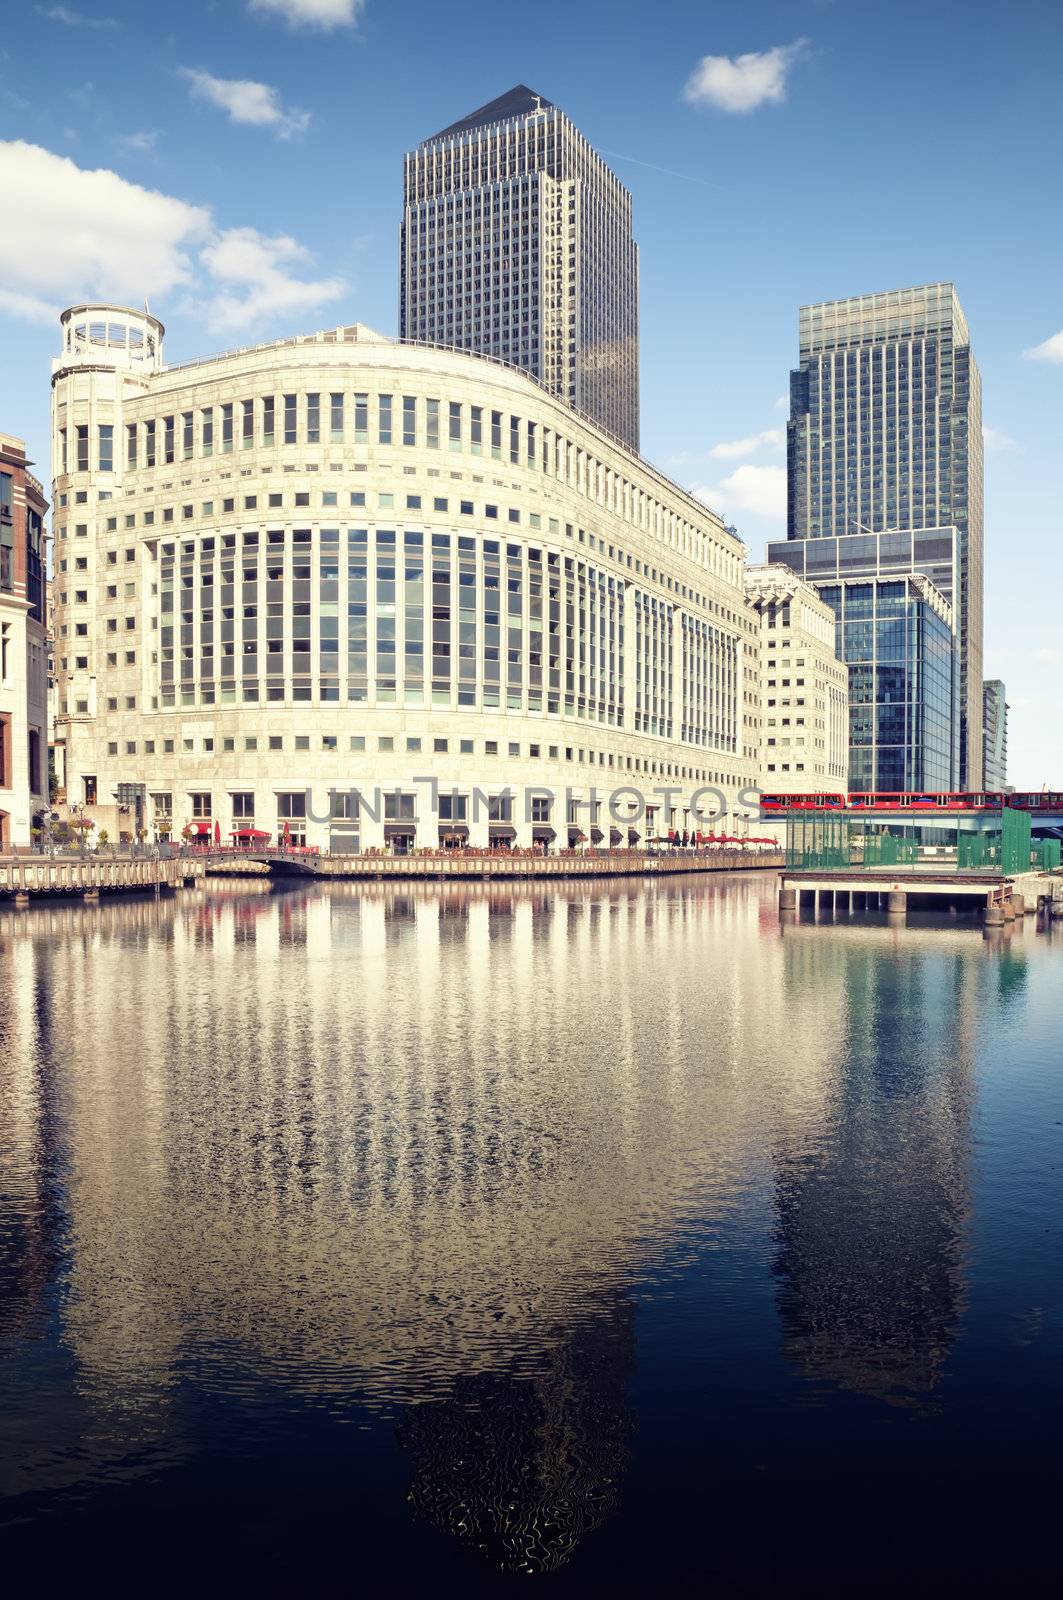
[517, 243]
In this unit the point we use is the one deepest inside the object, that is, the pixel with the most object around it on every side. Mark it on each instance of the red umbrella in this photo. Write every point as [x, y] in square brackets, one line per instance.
[217, 831]
[287, 836]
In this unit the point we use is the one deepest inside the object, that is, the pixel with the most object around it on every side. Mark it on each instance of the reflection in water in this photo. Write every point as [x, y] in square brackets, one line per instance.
[416, 1153]
[522, 1470]
[873, 1197]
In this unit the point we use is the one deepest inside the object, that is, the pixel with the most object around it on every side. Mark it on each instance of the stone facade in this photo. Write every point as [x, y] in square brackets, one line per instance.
[23, 647]
[804, 687]
[338, 562]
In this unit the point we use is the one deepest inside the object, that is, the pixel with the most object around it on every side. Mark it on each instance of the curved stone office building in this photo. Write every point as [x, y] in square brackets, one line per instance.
[339, 563]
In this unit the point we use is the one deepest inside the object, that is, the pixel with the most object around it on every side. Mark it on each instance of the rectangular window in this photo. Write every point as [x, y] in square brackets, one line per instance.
[313, 419]
[130, 444]
[514, 439]
[82, 463]
[227, 429]
[289, 419]
[106, 453]
[409, 419]
[269, 412]
[455, 425]
[247, 424]
[496, 435]
[476, 429]
[361, 418]
[432, 423]
[335, 425]
[384, 419]
[186, 435]
[149, 444]
[167, 440]
[206, 423]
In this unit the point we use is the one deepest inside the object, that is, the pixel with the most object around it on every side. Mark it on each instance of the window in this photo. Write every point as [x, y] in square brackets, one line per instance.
[289, 419]
[361, 418]
[200, 803]
[268, 419]
[227, 429]
[409, 419]
[206, 431]
[106, 447]
[383, 419]
[247, 424]
[335, 419]
[432, 424]
[313, 419]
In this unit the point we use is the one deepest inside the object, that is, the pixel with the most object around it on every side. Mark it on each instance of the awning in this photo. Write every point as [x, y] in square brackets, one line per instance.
[543, 832]
[453, 830]
[597, 835]
[201, 827]
[400, 830]
[249, 833]
[502, 830]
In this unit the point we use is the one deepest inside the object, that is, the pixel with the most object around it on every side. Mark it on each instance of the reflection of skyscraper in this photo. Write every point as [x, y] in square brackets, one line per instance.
[872, 1199]
[522, 1466]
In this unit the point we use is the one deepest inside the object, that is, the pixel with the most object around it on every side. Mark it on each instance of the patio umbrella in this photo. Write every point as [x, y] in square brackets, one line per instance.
[217, 831]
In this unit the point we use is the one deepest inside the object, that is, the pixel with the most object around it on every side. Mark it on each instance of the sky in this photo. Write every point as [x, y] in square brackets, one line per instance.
[239, 164]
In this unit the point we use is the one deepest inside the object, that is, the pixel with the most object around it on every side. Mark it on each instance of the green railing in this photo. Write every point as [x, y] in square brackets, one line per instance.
[838, 840]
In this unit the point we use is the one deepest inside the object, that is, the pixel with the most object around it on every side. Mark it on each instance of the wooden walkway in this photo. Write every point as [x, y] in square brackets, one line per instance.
[26, 878]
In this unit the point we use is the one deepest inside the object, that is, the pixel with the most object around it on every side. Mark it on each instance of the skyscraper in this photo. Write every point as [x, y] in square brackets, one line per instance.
[885, 435]
[995, 734]
[516, 243]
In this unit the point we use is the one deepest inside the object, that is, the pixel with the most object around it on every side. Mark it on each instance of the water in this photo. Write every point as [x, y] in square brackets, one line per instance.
[609, 1233]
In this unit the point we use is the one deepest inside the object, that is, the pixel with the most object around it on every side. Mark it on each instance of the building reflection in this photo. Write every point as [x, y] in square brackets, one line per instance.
[374, 1148]
[413, 1153]
[521, 1469]
[873, 1195]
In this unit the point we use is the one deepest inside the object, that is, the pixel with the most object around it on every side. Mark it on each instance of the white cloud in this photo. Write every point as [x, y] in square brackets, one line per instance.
[1048, 657]
[730, 449]
[28, 307]
[783, 403]
[93, 235]
[143, 141]
[1050, 350]
[758, 490]
[742, 83]
[256, 284]
[90, 232]
[997, 442]
[324, 14]
[76, 19]
[255, 104]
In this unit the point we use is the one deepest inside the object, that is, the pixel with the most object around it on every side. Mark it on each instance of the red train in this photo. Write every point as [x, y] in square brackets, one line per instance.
[978, 800]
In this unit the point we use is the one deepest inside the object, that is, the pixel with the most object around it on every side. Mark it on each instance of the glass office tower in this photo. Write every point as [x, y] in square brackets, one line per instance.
[892, 596]
[516, 243]
[885, 435]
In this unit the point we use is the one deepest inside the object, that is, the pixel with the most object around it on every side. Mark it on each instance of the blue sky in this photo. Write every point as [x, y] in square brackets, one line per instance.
[240, 163]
